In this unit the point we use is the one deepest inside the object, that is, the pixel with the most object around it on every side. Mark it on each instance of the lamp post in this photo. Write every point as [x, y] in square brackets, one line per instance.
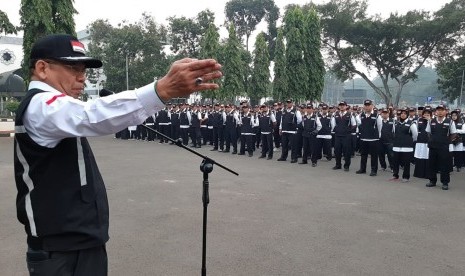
[461, 88]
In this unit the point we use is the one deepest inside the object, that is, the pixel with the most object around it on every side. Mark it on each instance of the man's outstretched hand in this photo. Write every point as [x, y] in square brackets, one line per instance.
[180, 81]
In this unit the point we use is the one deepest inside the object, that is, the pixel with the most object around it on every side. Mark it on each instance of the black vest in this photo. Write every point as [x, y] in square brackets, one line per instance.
[343, 124]
[439, 138]
[278, 114]
[309, 125]
[246, 124]
[61, 199]
[163, 117]
[422, 134]
[368, 129]
[265, 123]
[387, 135]
[183, 119]
[325, 125]
[230, 121]
[289, 120]
[217, 119]
[403, 136]
[195, 122]
[175, 118]
[203, 115]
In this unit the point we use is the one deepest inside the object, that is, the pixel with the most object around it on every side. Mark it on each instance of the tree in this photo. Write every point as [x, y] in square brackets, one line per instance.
[280, 72]
[233, 84]
[246, 14]
[451, 75]
[296, 69]
[141, 43]
[210, 48]
[312, 55]
[395, 48]
[260, 73]
[40, 18]
[5, 25]
[185, 34]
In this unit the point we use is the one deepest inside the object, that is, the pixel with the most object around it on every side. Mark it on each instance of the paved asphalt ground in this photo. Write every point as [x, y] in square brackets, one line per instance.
[274, 218]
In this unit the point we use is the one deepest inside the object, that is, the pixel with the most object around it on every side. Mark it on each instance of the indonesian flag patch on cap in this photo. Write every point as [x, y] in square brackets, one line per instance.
[78, 47]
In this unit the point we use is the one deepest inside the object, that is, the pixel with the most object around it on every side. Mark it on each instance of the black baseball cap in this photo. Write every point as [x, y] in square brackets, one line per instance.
[289, 101]
[441, 106]
[62, 47]
[368, 102]
[342, 103]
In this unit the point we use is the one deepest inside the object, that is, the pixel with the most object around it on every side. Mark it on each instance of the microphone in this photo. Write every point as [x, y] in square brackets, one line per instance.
[105, 92]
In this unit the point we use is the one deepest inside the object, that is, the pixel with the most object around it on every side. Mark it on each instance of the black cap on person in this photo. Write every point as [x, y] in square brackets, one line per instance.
[62, 47]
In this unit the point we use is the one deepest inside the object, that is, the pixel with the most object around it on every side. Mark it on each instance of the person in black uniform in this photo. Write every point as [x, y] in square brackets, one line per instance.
[386, 139]
[369, 124]
[441, 131]
[184, 124]
[231, 120]
[175, 123]
[323, 137]
[278, 113]
[196, 136]
[267, 121]
[164, 123]
[421, 145]
[204, 124]
[247, 122]
[310, 127]
[288, 128]
[217, 124]
[342, 124]
[62, 200]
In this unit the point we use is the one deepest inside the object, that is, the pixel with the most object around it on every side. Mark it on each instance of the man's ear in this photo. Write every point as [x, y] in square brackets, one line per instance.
[40, 70]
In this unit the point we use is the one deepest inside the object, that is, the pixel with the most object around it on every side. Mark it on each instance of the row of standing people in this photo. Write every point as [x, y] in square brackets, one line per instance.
[309, 133]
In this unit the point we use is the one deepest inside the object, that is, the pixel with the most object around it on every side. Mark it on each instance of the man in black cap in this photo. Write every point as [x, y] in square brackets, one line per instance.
[290, 119]
[369, 125]
[310, 127]
[441, 131]
[266, 122]
[342, 125]
[278, 113]
[61, 198]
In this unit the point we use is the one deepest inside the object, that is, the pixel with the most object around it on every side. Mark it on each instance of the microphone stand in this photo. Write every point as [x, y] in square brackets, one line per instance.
[206, 167]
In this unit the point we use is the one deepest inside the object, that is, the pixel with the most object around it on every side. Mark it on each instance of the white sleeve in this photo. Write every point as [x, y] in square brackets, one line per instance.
[414, 131]
[236, 117]
[453, 129]
[298, 116]
[352, 121]
[379, 121]
[428, 127]
[273, 118]
[189, 116]
[318, 123]
[333, 124]
[52, 116]
[224, 117]
[199, 116]
[358, 121]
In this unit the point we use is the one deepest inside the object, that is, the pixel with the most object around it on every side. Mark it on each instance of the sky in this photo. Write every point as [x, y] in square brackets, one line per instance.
[117, 11]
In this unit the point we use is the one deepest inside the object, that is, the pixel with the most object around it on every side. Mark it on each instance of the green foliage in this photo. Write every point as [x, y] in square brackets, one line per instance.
[185, 34]
[141, 43]
[233, 84]
[312, 55]
[247, 14]
[12, 105]
[396, 47]
[40, 18]
[210, 48]
[451, 74]
[5, 25]
[296, 69]
[280, 72]
[261, 73]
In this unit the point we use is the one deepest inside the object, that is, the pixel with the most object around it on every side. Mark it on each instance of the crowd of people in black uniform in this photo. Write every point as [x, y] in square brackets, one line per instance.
[431, 139]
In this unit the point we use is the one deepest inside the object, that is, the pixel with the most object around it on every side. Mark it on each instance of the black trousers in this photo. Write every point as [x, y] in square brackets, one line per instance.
[218, 137]
[175, 133]
[150, 133]
[324, 145]
[458, 158]
[288, 141]
[91, 261]
[309, 145]
[372, 148]
[276, 137]
[230, 136]
[342, 146]
[204, 133]
[166, 130]
[196, 136]
[439, 160]
[402, 159]
[247, 139]
[184, 136]
[267, 144]
[385, 149]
